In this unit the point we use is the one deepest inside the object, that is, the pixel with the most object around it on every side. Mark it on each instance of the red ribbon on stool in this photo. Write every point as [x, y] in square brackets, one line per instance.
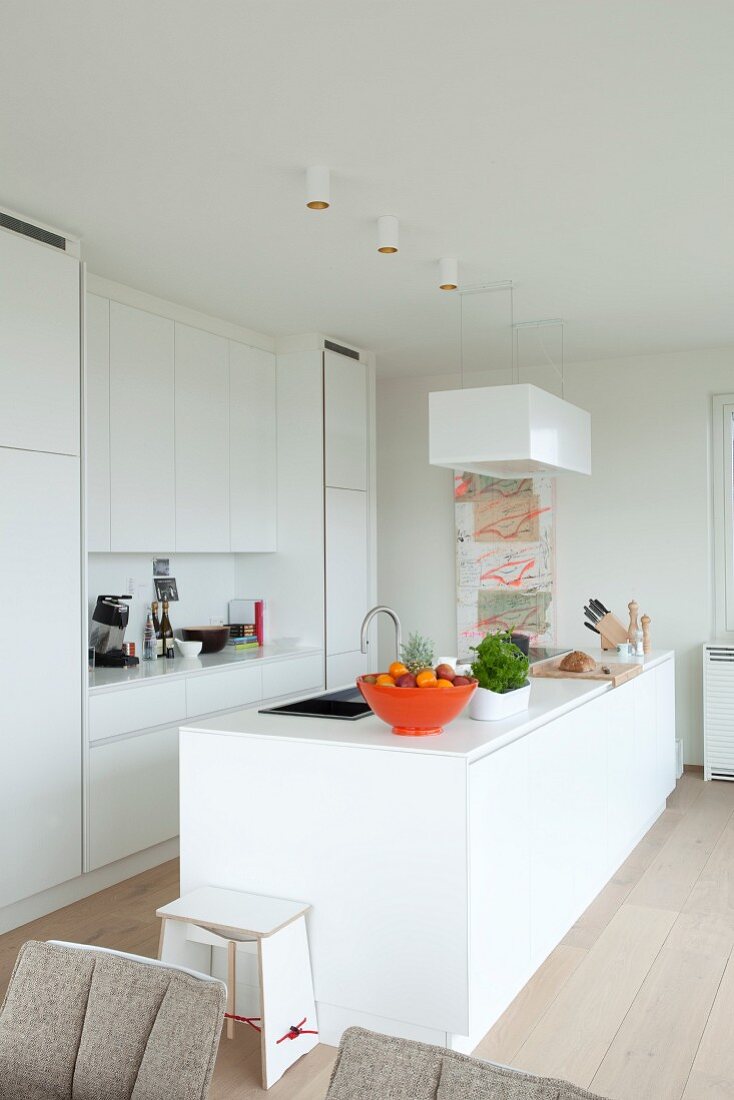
[294, 1031]
[243, 1020]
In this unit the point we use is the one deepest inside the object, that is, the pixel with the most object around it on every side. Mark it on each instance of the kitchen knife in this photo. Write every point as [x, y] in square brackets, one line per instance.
[590, 627]
[602, 609]
[591, 614]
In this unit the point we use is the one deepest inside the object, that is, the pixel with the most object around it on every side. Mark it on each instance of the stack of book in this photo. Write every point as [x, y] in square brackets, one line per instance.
[246, 623]
[243, 636]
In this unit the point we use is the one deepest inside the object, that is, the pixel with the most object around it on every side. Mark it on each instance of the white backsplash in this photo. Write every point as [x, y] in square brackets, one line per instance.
[206, 584]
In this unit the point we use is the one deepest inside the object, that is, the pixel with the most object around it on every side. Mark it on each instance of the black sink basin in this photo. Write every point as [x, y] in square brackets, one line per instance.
[347, 705]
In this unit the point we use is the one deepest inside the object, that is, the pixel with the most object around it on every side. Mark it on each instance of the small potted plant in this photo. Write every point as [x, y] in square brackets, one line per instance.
[501, 670]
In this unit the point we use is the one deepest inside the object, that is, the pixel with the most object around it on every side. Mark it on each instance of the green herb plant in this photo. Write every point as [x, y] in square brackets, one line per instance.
[499, 665]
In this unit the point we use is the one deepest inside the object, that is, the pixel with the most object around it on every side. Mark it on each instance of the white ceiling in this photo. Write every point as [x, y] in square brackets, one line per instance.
[583, 148]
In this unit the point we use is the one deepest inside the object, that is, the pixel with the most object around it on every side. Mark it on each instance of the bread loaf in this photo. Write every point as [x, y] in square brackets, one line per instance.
[577, 662]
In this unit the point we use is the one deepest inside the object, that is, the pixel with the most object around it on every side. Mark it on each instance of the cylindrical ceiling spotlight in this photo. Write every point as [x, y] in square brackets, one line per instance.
[318, 194]
[387, 233]
[448, 274]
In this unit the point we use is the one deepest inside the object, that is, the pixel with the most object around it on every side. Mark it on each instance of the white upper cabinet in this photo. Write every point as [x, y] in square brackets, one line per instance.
[202, 441]
[97, 312]
[142, 475]
[39, 346]
[346, 421]
[252, 448]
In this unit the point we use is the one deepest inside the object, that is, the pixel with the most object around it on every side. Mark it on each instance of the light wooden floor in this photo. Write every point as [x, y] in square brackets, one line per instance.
[636, 1003]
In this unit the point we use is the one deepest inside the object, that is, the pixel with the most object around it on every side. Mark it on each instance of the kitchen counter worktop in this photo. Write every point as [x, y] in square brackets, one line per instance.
[464, 737]
[108, 679]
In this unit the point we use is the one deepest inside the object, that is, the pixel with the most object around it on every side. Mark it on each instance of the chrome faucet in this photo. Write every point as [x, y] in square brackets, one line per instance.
[363, 642]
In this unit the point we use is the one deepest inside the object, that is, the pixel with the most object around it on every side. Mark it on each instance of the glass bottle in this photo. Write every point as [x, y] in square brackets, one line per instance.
[166, 632]
[149, 640]
[157, 629]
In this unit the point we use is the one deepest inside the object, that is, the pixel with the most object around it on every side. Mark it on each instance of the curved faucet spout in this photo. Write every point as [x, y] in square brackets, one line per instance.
[363, 640]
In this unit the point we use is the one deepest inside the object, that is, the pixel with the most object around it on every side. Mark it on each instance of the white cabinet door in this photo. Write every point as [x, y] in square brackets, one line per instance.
[253, 444]
[97, 318]
[499, 880]
[202, 441]
[345, 411]
[133, 795]
[647, 778]
[347, 586]
[142, 479]
[40, 701]
[39, 346]
[665, 688]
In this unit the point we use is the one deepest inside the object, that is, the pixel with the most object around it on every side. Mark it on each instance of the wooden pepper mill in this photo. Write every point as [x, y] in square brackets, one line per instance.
[633, 627]
[645, 623]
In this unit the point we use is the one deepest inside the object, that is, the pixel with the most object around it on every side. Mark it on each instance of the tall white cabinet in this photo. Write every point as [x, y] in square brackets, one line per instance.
[347, 416]
[40, 568]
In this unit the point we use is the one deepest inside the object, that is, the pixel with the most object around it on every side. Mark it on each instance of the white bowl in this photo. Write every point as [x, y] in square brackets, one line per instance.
[188, 649]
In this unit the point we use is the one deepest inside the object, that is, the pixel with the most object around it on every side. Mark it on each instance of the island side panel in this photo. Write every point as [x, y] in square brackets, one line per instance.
[375, 841]
[551, 818]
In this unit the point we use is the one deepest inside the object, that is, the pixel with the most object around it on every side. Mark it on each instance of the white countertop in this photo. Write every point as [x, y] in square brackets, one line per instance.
[108, 679]
[464, 737]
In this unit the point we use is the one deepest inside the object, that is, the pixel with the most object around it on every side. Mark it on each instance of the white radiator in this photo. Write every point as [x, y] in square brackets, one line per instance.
[718, 712]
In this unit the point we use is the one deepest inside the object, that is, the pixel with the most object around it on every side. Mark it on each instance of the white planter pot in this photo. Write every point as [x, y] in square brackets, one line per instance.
[489, 706]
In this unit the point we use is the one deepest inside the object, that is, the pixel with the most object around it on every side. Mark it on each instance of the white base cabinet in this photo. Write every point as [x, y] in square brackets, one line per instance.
[457, 873]
[133, 794]
[133, 751]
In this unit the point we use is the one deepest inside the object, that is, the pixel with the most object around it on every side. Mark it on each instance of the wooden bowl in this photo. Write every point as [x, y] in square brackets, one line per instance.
[416, 712]
[212, 638]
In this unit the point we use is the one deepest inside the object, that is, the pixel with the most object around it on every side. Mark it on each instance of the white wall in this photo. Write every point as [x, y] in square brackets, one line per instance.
[206, 583]
[639, 527]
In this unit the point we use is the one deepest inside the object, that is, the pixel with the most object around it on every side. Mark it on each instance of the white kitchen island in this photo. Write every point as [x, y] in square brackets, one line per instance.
[441, 870]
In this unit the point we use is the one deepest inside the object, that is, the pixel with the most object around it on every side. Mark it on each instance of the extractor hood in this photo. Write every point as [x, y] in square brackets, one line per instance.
[508, 431]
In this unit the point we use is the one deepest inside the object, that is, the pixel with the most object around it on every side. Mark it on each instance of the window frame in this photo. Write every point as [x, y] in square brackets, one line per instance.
[723, 513]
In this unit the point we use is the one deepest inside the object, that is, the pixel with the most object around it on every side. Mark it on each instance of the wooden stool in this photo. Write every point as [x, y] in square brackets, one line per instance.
[270, 933]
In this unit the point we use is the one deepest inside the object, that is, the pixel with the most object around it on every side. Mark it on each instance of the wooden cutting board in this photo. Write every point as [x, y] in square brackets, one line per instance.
[618, 673]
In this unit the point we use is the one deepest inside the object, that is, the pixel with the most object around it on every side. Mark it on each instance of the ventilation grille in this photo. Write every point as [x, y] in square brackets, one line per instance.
[718, 712]
[340, 349]
[28, 230]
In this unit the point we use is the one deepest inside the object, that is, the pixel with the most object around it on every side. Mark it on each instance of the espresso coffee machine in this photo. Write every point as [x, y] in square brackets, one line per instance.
[109, 622]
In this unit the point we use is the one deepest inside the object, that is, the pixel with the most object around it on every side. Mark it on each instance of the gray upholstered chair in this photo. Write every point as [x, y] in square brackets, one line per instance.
[370, 1065]
[85, 1023]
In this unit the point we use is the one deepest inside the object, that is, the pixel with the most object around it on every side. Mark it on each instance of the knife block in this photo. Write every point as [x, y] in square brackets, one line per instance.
[612, 632]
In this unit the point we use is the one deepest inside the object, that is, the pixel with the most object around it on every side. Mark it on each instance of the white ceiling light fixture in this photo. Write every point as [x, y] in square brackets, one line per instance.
[318, 190]
[388, 229]
[448, 274]
[508, 431]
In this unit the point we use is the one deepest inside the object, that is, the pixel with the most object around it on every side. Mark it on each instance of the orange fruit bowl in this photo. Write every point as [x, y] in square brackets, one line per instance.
[416, 712]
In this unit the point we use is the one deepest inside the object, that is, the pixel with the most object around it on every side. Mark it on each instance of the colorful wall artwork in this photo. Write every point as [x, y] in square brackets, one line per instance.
[505, 557]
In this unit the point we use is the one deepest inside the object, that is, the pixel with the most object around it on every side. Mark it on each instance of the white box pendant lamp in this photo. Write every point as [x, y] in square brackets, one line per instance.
[508, 431]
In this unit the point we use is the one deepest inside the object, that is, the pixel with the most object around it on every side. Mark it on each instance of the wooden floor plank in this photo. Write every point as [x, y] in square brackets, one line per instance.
[713, 891]
[573, 1036]
[712, 1075]
[505, 1039]
[652, 1053]
[689, 787]
[671, 876]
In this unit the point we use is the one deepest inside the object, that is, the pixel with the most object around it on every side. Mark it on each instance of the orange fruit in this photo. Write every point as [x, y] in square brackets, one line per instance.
[397, 668]
[385, 680]
[444, 684]
[426, 678]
